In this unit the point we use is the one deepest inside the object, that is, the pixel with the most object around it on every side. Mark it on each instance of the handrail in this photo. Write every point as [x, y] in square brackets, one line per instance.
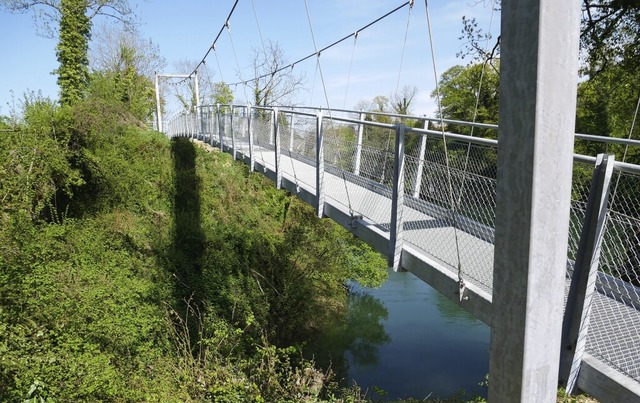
[292, 109]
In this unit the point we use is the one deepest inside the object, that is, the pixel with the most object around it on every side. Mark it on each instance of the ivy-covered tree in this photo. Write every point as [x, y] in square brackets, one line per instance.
[72, 49]
[73, 20]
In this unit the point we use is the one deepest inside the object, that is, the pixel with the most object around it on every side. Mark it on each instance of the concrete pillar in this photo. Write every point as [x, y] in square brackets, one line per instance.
[158, 106]
[538, 80]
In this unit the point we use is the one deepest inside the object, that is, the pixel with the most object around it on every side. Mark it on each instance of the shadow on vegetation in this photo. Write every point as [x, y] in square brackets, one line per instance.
[188, 237]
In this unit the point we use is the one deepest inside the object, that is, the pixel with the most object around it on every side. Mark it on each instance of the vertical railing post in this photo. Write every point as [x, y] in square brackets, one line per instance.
[417, 184]
[233, 133]
[356, 163]
[210, 124]
[397, 202]
[197, 94]
[319, 166]
[252, 159]
[585, 271]
[271, 134]
[291, 132]
[158, 105]
[203, 129]
[219, 126]
[194, 123]
[276, 133]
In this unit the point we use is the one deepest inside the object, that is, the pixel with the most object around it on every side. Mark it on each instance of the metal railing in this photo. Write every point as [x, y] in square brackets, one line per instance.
[392, 173]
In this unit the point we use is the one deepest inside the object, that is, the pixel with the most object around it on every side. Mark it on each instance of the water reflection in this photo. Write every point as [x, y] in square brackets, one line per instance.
[408, 340]
[355, 338]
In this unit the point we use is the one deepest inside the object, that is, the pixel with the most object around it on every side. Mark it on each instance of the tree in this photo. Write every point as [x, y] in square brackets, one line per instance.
[109, 45]
[459, 95]
[401, 102]
[47, 13]
[610, 34]
[606, 107]
[124, 67]
[222, 94]
[274, 83]
[74, 19]
[186, 92]
[72, 48]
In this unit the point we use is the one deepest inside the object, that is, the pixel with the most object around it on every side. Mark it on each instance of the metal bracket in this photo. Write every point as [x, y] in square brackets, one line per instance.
[461, 289]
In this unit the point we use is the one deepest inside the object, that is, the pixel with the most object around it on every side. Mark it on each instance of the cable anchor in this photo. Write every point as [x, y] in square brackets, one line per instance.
[354, 219]
[462, 287]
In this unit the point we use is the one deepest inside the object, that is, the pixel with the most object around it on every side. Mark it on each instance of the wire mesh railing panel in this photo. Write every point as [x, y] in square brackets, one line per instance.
[377, 154]
[240, 130]
[580, 187]
[618, 282]
[304, 135]
[340, 144]
[376, 170]
[339, 153]
[263, 137]
[298, 136]
[455, 186]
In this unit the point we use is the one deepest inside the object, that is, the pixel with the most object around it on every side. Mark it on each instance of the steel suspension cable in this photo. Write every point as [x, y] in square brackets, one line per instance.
[316, 52]
[255, 14]
[326, 97]
[446, 153]
[404, 45]
[212, 47]
[353, 51]
[475, 111]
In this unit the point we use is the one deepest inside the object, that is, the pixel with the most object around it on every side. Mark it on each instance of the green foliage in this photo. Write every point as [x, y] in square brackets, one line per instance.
[606, 107]
[459, 95]
[222, 94]
[126, 89]
[610, 35]
[35, 171]
[72, 48]
[170, 274]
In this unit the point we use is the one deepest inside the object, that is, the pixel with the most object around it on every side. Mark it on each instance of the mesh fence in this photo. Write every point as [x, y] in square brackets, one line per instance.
[263, 137]
[452, 192]
[614, 333]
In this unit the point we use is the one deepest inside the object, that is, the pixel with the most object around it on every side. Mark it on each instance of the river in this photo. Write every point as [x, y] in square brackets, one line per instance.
[404, 339]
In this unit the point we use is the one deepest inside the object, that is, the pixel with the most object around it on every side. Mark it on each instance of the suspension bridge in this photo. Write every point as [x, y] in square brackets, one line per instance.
[482, 221]
[341, 162]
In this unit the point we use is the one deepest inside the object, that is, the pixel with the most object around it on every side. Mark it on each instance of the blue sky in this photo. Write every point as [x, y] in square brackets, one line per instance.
[184, 30]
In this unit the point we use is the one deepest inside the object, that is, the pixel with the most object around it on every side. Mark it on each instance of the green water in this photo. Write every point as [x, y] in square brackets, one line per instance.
[407, 340]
